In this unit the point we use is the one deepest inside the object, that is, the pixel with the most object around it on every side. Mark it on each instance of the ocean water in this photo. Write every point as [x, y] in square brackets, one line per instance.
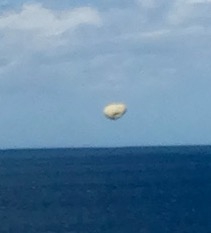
[119, 190]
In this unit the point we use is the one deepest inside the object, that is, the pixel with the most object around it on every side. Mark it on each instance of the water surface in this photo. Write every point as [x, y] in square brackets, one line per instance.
[122, 190]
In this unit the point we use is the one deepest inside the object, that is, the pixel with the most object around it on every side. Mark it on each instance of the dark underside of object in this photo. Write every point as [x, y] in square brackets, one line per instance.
[122, 190]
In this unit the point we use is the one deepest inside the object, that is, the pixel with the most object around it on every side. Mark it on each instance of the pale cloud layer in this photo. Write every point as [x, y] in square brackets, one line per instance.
[60, 65]
[42, 27]
[46, 22]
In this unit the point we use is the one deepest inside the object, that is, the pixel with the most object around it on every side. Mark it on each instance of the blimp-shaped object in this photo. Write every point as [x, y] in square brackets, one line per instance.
[115, 110]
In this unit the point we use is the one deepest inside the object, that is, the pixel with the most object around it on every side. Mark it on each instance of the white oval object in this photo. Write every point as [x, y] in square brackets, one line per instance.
[115, 111]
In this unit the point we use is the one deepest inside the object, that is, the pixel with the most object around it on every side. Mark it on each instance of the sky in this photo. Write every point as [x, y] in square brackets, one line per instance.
[61, 62]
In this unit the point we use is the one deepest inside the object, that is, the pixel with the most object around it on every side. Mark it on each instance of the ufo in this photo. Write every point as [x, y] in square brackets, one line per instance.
[114, 111]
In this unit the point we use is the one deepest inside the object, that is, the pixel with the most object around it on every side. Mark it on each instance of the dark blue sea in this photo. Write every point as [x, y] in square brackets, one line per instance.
[118, 190]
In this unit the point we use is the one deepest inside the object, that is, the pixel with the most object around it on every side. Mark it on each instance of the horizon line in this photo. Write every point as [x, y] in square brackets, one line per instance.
[105, 147]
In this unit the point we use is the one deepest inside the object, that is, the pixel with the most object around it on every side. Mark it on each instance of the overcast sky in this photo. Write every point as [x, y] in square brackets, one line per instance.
[61, 62]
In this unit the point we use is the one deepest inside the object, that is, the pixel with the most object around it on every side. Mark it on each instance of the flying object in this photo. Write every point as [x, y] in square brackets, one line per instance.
[115, 111]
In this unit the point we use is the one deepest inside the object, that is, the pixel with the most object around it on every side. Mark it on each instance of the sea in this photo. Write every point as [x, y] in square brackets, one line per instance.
[106, 190]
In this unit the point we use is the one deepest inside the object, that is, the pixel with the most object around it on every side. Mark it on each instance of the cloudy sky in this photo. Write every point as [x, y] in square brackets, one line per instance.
[62, 61]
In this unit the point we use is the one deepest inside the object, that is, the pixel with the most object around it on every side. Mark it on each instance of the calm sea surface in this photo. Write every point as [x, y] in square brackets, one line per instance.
[125, 190]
